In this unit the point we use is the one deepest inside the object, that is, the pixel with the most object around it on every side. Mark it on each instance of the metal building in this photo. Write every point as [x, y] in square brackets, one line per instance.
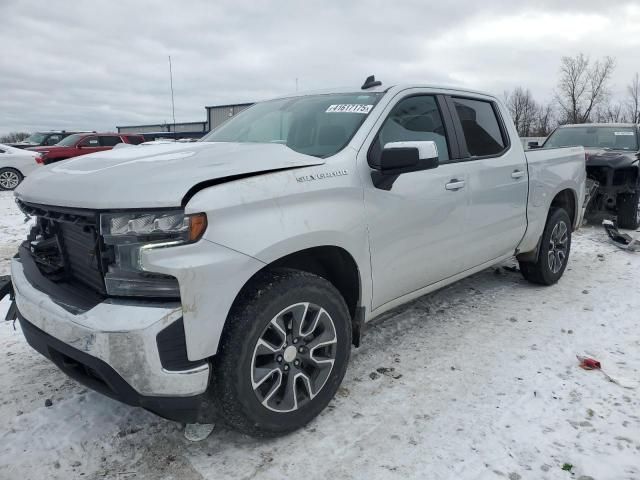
[181, 128]
[218, 114]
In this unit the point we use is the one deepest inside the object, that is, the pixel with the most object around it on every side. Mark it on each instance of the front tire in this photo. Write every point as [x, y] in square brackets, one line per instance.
[629, 210]
[555, 246]
[10, 178]
[283, 354]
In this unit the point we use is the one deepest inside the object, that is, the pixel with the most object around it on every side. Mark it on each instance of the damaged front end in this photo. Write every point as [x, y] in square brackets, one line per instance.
[129, 347]
[617, 174]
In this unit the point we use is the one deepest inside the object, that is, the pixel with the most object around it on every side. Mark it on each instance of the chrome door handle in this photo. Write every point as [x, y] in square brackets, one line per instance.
[517, 174]
[454, 185]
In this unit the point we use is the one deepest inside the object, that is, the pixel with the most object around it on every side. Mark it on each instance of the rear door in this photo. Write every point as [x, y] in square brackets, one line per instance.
[497, 181]
[414, 219]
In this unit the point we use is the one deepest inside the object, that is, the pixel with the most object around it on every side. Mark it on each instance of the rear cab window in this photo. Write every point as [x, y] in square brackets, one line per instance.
[481, 127]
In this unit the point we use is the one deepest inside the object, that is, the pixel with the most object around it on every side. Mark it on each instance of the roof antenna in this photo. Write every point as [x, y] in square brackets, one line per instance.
[370, 82]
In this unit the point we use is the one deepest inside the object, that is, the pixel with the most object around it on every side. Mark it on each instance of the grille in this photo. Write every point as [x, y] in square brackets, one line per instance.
[78, 241]
[81, 254]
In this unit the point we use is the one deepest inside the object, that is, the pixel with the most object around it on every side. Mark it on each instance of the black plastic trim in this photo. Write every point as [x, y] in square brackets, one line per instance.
[99, 376]
[172, 347]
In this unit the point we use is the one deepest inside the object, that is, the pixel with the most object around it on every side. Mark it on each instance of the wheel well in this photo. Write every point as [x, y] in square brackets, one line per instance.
[333, 264]
[566, 200]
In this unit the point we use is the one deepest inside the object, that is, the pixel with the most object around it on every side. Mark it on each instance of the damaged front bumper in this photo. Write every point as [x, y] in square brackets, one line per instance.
[115, 348]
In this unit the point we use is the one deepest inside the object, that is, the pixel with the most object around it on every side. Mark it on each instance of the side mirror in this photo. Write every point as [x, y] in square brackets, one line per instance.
[533, 145]
[403, 157]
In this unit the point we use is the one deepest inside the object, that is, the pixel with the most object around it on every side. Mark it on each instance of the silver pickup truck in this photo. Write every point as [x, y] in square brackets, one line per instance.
[228, 278]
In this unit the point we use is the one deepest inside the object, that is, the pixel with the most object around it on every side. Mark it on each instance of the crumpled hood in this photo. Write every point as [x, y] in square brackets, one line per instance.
[149, 176]
[610, 158]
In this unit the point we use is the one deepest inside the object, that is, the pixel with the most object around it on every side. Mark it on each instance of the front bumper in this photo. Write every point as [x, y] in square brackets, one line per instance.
[112, 348]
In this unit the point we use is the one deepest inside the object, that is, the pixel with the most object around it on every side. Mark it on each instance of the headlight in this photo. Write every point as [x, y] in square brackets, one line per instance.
[127, 235]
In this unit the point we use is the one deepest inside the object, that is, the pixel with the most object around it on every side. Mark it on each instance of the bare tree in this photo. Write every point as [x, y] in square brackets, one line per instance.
[13, 137]
[633, 100]
[583, 86]
[545, 120]
[523, 109]
[609, 112]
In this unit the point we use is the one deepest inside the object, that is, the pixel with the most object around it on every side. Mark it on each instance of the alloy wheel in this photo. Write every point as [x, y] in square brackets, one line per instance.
[293, 357]
[558, 245]
[9, 180]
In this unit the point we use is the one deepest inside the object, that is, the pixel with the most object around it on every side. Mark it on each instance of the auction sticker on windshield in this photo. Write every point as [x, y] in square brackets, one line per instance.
[349, 108]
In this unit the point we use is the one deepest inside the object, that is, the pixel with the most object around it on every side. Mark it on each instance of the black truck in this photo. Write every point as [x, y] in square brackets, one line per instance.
[613, 156]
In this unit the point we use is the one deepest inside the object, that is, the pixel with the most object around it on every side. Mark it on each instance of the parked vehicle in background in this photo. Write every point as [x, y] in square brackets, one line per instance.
[15, 164]
[39, 139]
[84, 143]
[232, 281]
[613, 160]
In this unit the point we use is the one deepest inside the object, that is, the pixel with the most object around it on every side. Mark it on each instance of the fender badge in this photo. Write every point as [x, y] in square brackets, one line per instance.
[322, 176]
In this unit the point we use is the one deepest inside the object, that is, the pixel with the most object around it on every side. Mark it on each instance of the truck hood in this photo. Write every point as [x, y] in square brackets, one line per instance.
[611, 158]
[150, 176]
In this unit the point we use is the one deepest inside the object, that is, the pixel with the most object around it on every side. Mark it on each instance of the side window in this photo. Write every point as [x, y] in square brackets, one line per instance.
[89, 142]
[53, 139]
[415, 118]
[480, 126]
[110, 140]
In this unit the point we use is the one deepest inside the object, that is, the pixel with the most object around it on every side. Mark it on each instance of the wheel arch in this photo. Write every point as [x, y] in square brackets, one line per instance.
[334, 264]
[567, 199]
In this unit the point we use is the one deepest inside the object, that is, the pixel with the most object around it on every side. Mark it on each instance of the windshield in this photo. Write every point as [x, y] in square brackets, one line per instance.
[69, 141]
[614, 138]
[35, 138]
[318, 125]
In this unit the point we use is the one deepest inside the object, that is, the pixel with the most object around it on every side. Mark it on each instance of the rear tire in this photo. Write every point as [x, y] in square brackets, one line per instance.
[555, 246]
[10, 178]
[283, 354]
[628, 210]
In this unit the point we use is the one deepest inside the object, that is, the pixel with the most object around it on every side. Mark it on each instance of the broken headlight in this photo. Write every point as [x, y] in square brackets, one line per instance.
[126, 235]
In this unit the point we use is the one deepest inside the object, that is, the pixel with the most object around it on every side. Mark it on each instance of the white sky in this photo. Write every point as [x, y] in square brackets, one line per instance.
[97, 64]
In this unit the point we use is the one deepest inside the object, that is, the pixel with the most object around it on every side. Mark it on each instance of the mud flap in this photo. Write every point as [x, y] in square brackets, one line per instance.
[6, 288]
[622, 240]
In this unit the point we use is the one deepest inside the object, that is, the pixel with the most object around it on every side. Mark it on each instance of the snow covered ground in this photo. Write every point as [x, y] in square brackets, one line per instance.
[477, 381]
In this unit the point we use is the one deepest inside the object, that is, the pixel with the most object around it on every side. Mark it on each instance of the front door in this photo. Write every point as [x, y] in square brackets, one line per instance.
[415, 219]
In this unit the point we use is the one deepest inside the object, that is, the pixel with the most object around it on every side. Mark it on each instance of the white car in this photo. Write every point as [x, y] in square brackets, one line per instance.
[15, 164]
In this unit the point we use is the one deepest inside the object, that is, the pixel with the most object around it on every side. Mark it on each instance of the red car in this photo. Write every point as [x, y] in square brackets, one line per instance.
[82, 144]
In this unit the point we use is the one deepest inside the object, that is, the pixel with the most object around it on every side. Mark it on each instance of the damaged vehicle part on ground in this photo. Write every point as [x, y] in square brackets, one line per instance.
[613, 161]
[228, 278]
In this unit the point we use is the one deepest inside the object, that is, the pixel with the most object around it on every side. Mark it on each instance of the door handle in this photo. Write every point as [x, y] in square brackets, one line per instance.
[454, 184]
[517, 174]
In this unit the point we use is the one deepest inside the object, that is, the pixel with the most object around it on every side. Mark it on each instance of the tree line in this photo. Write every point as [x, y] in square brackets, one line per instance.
[582, 95]
[14, 137]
